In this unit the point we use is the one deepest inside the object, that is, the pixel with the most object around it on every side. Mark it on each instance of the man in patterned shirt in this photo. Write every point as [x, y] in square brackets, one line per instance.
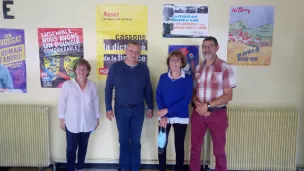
[214, 81]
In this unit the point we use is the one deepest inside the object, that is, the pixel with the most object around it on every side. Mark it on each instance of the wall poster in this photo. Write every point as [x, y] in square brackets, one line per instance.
[59, 48]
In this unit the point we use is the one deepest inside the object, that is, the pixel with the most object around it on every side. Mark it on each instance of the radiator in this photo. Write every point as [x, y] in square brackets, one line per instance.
[260, 139]
[24, 136]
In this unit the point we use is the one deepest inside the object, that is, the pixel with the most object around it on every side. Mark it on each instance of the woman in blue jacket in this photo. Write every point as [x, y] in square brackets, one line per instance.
[173, 96]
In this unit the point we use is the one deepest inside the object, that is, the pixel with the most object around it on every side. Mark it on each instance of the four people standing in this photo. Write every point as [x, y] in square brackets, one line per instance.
[213, 84]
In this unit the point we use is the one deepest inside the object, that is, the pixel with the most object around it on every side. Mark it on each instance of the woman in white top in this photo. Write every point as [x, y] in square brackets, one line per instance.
[78, 110]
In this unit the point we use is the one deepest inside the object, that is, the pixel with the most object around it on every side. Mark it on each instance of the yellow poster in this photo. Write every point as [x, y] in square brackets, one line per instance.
[116, 26]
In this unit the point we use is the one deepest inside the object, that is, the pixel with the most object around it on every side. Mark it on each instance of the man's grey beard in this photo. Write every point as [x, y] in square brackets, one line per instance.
[208, 56]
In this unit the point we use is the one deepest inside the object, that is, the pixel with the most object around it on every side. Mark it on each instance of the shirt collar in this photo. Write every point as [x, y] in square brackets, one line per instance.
[181, 76]
[74, 80]
[199, 69]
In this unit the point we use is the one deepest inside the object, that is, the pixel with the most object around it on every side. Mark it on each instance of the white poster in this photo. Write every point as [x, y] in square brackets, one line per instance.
[185, 21]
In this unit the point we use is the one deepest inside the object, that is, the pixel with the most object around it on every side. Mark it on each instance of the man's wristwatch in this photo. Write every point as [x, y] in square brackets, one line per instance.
[209, 107]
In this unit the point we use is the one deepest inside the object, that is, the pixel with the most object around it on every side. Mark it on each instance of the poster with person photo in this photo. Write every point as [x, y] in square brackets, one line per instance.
[12, 61]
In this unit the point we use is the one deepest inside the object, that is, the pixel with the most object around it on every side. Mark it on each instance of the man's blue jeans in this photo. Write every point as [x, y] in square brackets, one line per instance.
[129, 123]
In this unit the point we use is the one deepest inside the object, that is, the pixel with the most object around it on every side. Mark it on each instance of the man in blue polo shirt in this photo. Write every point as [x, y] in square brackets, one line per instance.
[131, 80]
[6, 81]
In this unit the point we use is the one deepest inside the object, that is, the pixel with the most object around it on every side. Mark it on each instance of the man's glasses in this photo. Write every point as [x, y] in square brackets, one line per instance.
[208, 46]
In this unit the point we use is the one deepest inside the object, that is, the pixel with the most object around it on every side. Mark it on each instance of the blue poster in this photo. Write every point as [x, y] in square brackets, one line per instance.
[191, 54]
[12, 61]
